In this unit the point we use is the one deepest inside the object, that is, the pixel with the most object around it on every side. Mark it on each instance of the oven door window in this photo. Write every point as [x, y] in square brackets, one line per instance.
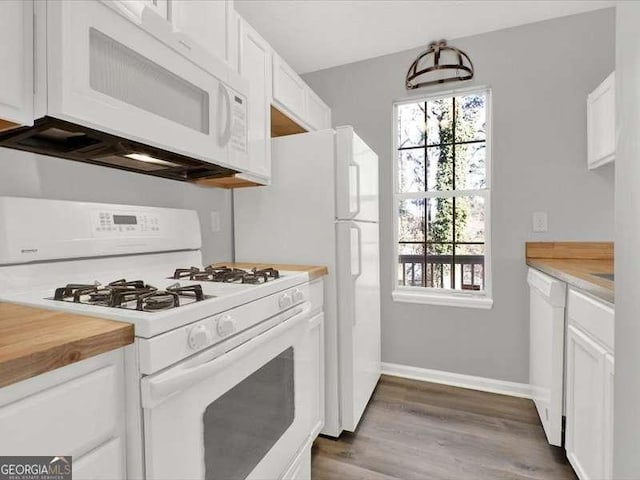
[242, 425]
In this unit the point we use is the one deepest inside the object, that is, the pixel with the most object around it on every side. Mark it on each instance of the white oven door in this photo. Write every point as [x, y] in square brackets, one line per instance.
[241, 415]
[109, 73]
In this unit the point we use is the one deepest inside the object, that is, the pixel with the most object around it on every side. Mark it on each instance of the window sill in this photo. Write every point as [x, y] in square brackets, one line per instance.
[443, 300]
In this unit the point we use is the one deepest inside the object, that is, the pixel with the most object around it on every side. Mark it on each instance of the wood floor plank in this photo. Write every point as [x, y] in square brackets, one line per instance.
[418, 430]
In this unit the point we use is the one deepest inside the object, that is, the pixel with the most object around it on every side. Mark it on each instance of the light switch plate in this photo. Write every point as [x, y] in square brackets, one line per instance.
[215, 221]
[540, 221]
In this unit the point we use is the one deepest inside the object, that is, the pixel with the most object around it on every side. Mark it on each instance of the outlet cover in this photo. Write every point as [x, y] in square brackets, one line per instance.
[215, 221]
[540, 223]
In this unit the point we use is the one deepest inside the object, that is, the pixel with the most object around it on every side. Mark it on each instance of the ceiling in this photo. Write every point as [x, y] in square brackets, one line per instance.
[315, 34]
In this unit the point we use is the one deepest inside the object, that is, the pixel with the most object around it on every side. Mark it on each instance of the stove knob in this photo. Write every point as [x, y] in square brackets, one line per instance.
[298, 295]
[199, 337]
[285, 300]
[225, 326]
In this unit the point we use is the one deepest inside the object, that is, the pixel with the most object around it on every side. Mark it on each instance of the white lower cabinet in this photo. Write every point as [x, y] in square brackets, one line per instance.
[300, 468]
[609, 377]
[77, 410]
[585, 405]
[103, 463]
[589, 387]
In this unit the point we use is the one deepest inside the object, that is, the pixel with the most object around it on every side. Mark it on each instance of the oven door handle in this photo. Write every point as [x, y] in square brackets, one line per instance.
[156, 389]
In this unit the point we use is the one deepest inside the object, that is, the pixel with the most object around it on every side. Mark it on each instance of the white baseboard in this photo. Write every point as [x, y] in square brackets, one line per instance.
[514, 389]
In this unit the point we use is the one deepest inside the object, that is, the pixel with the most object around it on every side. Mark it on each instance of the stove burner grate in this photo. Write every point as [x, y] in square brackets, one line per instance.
[224, 274]
[129, 295]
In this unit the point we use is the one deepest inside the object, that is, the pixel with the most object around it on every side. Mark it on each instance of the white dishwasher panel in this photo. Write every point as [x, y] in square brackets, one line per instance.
[547, 298]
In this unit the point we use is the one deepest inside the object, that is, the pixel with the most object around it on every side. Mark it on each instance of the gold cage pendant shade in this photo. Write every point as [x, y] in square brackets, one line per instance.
[440, 63]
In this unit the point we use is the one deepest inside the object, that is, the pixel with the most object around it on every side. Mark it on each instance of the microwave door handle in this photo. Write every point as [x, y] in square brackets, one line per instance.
[156, 390]
[225, 134]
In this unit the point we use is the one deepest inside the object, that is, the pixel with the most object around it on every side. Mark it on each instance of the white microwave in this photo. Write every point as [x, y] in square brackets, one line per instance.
[121, 91]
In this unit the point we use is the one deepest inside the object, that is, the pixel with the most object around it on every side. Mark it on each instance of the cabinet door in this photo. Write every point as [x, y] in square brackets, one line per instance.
[300, 468]
[135, 7]
[601, 123]
[289, 90]
[318, 113]
[316, 333]
[103, 463]
[255, 65]
[208, 23]
[608, 415]
[16, 57]
[585, 433]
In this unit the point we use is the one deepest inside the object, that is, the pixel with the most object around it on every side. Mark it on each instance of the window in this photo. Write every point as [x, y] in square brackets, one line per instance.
[442, 199]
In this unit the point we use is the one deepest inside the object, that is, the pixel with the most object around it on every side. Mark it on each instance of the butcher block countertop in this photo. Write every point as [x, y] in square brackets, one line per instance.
[575, 263]
[34, 341]
[314, 271]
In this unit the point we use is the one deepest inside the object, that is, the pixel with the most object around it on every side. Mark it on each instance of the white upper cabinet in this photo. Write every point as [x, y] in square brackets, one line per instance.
[210, 24]
[135, 7]
[601, 123]
[289, 90]
[318, 113]
[254, 64]
[16, 57]
[293, 97]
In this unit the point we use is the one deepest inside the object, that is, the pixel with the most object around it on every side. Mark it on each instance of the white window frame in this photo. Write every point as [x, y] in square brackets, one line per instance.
[443, 296]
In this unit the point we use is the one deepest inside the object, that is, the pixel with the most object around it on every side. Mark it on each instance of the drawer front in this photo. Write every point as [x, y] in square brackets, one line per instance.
[73, 417]
[592, 316]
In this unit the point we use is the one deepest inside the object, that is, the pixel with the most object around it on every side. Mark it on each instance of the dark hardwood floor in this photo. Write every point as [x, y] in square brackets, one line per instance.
[417, 430]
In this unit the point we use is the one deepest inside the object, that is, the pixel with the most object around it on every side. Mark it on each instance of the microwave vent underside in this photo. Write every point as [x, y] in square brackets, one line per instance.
[58, 138]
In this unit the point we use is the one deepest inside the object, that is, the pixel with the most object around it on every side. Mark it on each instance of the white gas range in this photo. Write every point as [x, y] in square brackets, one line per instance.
[225, 360]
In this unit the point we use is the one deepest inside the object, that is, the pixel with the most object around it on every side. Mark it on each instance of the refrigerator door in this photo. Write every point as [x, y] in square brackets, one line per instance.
[359, 317]
[356, 178]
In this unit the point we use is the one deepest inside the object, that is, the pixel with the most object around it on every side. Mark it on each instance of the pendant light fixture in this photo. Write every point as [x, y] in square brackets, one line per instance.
[440, 63]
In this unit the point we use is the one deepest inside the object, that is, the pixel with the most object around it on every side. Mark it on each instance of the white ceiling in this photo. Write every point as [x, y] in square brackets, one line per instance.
[315, 34]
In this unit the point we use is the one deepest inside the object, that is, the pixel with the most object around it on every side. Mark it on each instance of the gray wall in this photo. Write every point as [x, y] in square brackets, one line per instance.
[626, 462]
[540, 75]
[29, 175]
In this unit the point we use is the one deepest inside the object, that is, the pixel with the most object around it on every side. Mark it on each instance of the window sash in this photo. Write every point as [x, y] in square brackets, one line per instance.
[485, 193]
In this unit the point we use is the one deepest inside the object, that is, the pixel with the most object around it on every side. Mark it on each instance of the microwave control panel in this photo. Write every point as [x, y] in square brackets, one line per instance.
[238, 140]
[125, 224]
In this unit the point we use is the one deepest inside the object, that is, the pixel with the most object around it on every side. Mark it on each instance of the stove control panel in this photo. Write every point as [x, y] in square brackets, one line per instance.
[297, 295]
[124, 224]
[199, 337]
[225, 325]
[292, 297]
[285, 301]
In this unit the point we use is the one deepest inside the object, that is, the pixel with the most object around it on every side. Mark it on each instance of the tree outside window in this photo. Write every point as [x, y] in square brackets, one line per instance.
[442, 192]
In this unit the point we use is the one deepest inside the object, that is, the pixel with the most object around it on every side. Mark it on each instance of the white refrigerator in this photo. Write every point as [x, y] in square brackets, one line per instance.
[322, 209]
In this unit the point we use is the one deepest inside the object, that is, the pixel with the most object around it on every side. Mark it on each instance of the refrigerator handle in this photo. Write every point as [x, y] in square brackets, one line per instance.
[355, 227]
[357, 167]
